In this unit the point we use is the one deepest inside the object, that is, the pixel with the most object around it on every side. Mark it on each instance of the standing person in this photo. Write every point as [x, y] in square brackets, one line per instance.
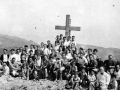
[89, 52]
[38, 51]
[103, 79]
[73, 48]
[12, 55]
[68, 42]
[73, 40]
[95, 51]
[57, 39]
[26, 49]
[32, 48]
[65, 41]
[45, 63]
[42, 46]
[109, 64]
[46, 51]
[4, 57]
[56, 46]
[49, 44]
[18, 55]
[61, 38]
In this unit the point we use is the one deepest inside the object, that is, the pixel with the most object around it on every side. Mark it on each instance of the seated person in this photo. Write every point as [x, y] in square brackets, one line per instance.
[30, 67]
[14, 67]
[6, 70]
[84, 78]
[113, 83]
[92, 80]
[75, 80]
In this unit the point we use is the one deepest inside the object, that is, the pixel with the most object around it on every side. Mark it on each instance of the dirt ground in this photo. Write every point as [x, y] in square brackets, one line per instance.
[10, 83]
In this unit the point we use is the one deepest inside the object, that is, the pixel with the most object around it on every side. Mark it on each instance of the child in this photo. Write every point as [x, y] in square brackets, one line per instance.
[75, 80]
[92, 79]
[113, 83]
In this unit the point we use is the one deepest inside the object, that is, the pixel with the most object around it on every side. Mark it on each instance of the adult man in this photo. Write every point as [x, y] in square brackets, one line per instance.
[4, 57]
[26, 49]
[32, 48]
[61, 38]
[109, 64]
[73, 40]
[18, 55]
[89, 52]
[14, 67]
[46, 51]
[103, 79]
[13, 55]
[49, 44]
[38, 52]
[95, 54]
[92, 62]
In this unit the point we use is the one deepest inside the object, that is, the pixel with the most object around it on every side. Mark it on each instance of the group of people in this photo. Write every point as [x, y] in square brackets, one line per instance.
[63, 60]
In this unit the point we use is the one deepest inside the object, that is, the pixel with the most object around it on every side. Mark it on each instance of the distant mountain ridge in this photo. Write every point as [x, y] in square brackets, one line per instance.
[9, 42]
[12, 41]
[103, 52]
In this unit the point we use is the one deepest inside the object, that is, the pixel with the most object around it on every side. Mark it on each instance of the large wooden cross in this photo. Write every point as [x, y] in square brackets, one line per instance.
[68, 27]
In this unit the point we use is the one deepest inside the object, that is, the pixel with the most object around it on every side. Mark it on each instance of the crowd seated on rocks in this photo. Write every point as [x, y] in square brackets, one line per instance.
[63, 60]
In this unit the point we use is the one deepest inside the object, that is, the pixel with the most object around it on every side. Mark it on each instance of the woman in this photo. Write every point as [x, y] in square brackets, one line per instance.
[92, 80]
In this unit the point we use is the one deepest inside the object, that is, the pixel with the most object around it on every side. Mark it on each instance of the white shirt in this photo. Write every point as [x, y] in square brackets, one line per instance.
[6, 70]
[104, 79]
[49, 51]
[65, 43]
[46, 51]
[117, 75]
[57, 47]
[73, 42]
[68, 43]
[85, 59]
[5, 57]
[18, 57]
[38, 62]
[69, 56]
[13, 56]
[32, 50]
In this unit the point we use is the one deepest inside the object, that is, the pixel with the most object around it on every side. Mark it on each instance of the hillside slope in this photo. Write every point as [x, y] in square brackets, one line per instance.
[11, 41]
[103, 52]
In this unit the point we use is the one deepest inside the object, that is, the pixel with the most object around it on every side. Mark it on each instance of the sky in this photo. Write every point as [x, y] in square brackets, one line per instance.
[36, 19]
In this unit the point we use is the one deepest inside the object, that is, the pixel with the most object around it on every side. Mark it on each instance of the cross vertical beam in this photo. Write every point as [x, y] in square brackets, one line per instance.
[67, 27]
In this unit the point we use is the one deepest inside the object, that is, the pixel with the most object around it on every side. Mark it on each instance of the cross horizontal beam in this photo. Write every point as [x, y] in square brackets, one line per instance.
[60, 27]
[70, 28]
[74, 28]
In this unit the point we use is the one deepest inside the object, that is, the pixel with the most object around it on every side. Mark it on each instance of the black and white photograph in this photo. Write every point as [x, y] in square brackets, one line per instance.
[59, 44]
